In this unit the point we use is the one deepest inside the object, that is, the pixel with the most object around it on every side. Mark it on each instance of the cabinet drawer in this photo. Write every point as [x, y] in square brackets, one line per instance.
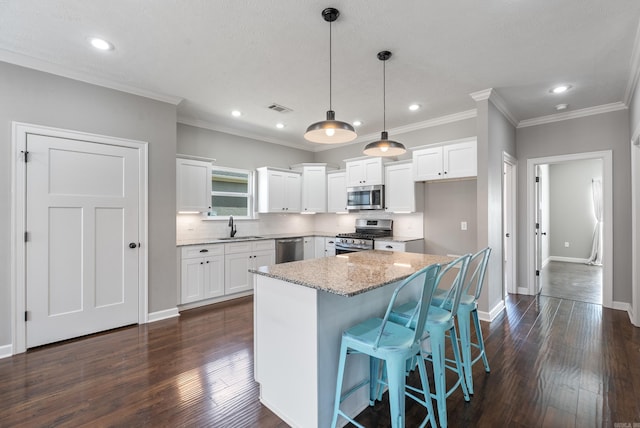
[269, 244]
[192, 251]
[389, 246]
[238, 247]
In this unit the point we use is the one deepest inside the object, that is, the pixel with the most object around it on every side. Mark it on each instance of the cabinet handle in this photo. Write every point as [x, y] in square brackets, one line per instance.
[201, 263]
[207, 261]
[445, 172]
[439, 173]
[388, 246]
[204, 251]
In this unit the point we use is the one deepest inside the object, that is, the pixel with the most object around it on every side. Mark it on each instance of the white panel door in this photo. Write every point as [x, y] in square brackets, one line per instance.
[82, 252]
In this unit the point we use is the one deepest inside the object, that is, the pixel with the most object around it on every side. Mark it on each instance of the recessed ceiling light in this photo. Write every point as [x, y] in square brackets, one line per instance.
[562, 107]
[279, 125]
[357, 123]
[414, 107]
[560, 89]
[101, 44]
[236, 113]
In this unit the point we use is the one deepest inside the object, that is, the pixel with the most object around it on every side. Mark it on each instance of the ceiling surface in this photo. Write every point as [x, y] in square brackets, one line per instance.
[211, 57]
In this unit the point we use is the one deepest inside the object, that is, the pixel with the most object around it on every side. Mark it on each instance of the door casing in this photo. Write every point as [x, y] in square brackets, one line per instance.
[18, 220]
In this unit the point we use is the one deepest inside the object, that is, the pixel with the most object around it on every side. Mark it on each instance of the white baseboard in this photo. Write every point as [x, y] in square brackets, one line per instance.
[6, 351]
[163, 315]
[493, 313]
[546, 262]
[567, 259]
[523, 290]
[206, 302]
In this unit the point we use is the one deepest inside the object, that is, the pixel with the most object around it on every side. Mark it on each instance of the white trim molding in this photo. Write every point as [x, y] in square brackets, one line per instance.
[163, 315]
[607, 188]
[567, 259]
[495, 98]
[559, 117]
[493, 313]
[6, 351]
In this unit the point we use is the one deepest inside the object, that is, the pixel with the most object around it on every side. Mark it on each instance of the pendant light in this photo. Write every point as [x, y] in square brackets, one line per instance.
[330, 131]
[384, 146]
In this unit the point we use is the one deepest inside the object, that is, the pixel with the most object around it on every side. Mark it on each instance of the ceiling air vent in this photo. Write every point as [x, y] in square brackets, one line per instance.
[279, 108]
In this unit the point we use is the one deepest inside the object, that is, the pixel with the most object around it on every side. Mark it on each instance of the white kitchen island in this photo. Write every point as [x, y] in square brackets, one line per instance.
[300, 311]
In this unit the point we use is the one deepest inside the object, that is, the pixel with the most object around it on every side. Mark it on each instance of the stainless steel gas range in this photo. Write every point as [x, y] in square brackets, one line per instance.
[367, 230]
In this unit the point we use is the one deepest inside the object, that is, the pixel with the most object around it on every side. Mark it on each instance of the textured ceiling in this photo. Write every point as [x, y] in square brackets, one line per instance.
[215, 56]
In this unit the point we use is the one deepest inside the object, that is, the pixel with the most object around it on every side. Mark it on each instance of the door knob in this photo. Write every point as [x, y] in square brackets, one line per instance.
[132, 245]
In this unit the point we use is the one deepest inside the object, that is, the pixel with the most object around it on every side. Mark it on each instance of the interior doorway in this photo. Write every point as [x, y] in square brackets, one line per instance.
[553, 267]
[509, 223]
[570, 195]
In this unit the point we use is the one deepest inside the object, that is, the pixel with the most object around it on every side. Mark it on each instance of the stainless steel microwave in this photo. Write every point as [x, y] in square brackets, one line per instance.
[365, 197]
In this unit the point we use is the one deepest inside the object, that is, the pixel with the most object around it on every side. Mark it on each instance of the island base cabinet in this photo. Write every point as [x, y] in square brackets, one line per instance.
[297, 334]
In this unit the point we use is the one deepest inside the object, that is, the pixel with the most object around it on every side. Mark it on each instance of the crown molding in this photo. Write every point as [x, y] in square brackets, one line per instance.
[198, 123]
[442, 120]
[495, 98]
[59, 70]
[589, 111]
[481, 95]
[634, 74]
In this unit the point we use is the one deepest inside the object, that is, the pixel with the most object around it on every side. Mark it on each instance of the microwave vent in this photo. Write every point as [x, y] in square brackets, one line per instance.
[279, 108]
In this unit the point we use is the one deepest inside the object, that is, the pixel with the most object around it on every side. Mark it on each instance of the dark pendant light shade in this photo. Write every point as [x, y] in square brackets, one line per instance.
[330, 131]
[384, 146]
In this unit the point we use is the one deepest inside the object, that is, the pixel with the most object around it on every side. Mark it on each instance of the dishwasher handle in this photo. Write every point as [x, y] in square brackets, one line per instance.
[284, 241]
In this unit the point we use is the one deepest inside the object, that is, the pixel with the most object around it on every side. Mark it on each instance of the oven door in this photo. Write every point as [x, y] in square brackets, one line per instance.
[344, 250]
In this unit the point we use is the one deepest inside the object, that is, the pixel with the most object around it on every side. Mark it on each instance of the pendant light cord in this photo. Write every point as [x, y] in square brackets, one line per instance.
[330, 69]
[384, 95]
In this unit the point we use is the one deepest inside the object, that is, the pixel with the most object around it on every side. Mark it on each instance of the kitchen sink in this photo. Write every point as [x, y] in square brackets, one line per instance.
[239, 238]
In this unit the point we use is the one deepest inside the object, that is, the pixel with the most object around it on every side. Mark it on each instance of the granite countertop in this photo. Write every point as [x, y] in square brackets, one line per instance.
[239, 238]
[352, 273]
[204, 241]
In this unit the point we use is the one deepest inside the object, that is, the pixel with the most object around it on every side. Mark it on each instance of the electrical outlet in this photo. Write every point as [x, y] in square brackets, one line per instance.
[566, 244]
[463, 225]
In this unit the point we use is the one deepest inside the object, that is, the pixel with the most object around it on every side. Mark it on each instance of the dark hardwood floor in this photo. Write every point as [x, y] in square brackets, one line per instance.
[573, 281]
[554, 363]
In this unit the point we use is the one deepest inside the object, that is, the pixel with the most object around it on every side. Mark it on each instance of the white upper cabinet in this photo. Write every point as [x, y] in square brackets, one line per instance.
[337, 192]
[279, 190]
[193, 185]
[439, 162]
[314, 187]
[400, 189]
[365, 171]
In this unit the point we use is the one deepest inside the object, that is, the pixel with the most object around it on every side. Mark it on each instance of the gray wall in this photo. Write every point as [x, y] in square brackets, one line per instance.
[237, 152]
[44, 99]
[436, 134]
[446, 204]
[495, 136]
[571, 207]
[608, 131]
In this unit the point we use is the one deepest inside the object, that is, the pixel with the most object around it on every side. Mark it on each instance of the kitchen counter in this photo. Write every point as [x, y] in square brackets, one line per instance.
[300, 311]
[240, 238]
[353, 273]
[259, 237]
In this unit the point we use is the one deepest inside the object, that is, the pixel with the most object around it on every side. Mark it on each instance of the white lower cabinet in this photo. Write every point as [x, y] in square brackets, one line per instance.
[202, 273]
[309, 249]
[415, 246]
[220, 270]
[242, 256]
[329, 247]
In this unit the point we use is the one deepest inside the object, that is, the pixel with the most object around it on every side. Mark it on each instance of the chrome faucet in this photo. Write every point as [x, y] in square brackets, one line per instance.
[233, 228]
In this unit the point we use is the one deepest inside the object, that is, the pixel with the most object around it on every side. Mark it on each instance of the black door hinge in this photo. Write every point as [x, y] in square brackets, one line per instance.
[25, 155]
[26, 236]
[537, 272]
[537, 225]
[537, 179]
[26, 315]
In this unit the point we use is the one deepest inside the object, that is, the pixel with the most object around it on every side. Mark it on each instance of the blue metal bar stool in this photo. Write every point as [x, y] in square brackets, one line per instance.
[394, 345]
[440, 321]
[469, 308]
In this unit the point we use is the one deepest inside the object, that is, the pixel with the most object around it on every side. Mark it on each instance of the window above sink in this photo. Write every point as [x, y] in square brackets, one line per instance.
[231, 194]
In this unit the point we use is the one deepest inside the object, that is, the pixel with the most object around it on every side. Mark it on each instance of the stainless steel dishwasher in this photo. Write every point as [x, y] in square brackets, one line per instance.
[289, 250]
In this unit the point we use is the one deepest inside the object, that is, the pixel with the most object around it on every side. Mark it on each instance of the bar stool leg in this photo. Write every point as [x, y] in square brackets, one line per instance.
[341, 364]
[476, 322]
[396, 375]
[464, 322]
